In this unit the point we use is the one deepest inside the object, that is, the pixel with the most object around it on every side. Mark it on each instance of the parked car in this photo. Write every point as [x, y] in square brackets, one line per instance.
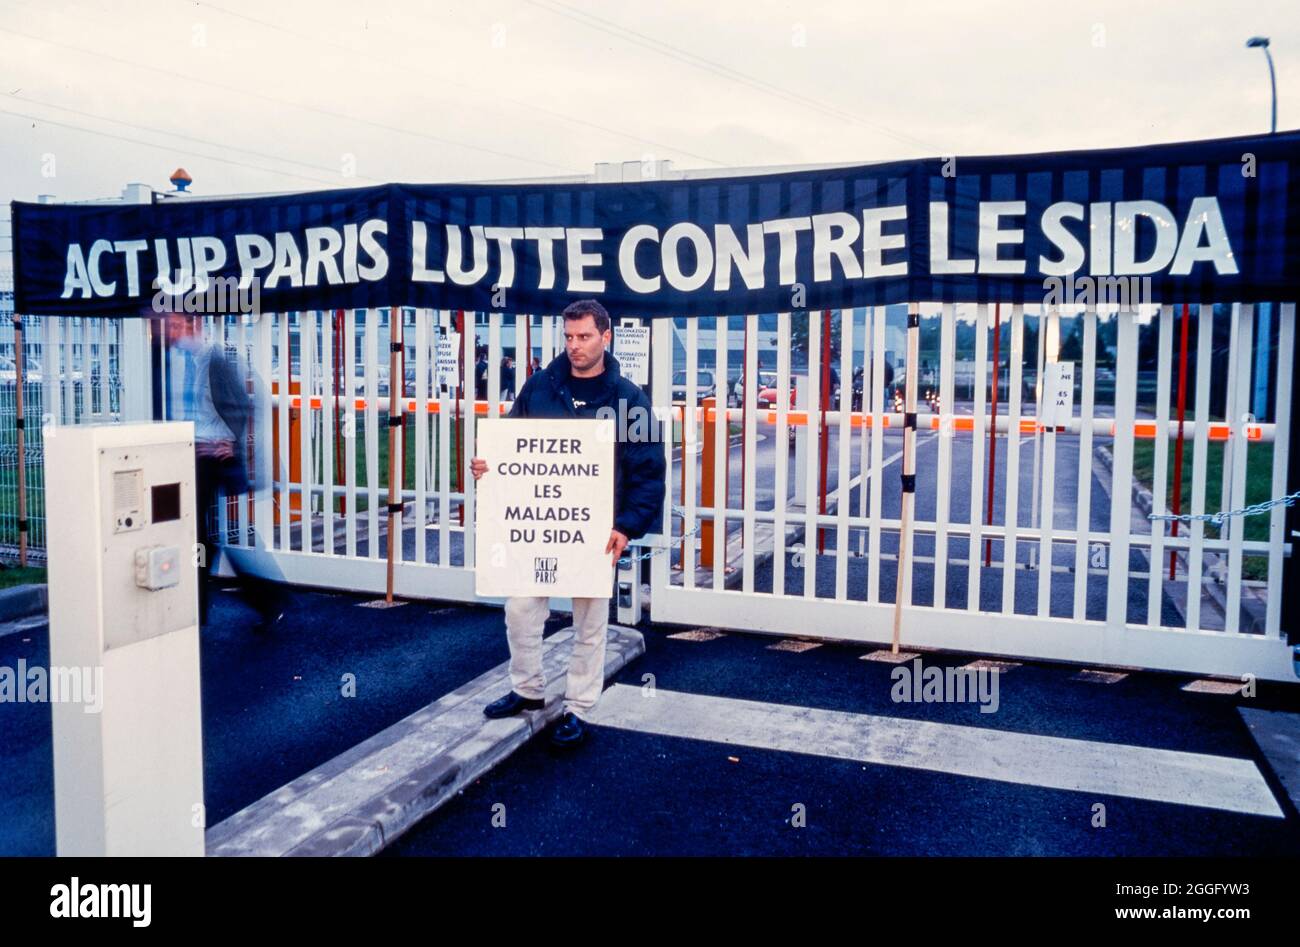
[765, 380]
[705, 385]
[769, 396]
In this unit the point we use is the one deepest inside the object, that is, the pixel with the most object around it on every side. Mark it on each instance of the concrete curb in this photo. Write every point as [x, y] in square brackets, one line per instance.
[23, 601]
[363, 799]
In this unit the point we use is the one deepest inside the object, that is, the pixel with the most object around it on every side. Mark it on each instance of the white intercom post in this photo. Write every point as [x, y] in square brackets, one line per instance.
[123, 590]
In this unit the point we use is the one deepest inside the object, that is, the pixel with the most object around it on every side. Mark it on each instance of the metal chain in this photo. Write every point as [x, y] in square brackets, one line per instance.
[1218, 519]
[660, 550]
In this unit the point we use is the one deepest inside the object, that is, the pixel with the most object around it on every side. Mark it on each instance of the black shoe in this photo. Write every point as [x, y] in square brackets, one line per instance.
[511, 704]
[569, 731]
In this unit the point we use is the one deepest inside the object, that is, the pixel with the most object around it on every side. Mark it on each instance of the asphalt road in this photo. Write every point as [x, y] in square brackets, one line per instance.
[273, 709]
[632, 791]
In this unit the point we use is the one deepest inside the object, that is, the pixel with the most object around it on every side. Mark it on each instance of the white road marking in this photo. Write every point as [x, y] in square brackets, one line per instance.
[1112, 769]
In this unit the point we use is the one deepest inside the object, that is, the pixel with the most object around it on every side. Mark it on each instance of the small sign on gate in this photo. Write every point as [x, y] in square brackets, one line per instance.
[1058, 396]
[632, 349]
[446, 360]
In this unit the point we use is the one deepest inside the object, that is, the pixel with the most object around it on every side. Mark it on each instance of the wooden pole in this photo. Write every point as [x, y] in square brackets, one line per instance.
[466, 377]
[823, 445]
[22, 444]
[395, 380]
[909, 463]
[709, 458]
[1178, 444]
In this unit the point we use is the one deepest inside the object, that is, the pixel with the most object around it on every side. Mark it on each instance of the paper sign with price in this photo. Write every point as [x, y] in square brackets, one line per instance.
[545, 507]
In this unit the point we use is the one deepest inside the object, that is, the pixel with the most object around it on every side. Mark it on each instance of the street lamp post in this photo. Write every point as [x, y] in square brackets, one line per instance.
[1261, 42]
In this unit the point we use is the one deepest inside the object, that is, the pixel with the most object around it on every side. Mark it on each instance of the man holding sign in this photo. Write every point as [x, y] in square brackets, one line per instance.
[583, 384]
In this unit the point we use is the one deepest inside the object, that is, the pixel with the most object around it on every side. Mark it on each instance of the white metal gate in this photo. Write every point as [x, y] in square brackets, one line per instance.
[1076, 586]
[319, 445]
[1062, 570]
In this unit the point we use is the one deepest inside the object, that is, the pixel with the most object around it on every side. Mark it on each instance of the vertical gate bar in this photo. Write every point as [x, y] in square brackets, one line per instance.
[522, 354]
[105, 402]
[1083, 516]
[1230, 411]
[218, 323]
[399, 548]
[689, 438]
[444, 453]
[307, 424]
[1160, 467]
[245, 370]
[1245, 317]
[1049, 328]
[1121, 500]
[661, 377]
[469, 345]
[867, 431]
[877, 451]
[903, 588]
[1281, 449]
[749, 391]
[67, 362]
[1011, 514]
[328, 366]
[494, 365]
[53, 391]
[396, 435]
[813, 456]
[781, 484]
[350, 430]
[548, 340]
[844, 492]
[263, 498]
[421, 430]
[722, 451]
[943, 486]
[1035, 483]
[993, 428]
[283, 387]
[1200, 441]
[370, 359]
[1179, 441]
[978, 426]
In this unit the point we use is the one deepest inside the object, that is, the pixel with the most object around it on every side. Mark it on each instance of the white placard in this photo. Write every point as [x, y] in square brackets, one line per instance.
[446, 361]
[545, 507]
[632, 349]
[1058, 394]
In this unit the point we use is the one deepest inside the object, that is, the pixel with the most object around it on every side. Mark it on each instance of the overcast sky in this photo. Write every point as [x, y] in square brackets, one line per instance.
[295, 95]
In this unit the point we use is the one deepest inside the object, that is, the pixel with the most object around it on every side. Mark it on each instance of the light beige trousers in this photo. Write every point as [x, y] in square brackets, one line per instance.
[525, 616]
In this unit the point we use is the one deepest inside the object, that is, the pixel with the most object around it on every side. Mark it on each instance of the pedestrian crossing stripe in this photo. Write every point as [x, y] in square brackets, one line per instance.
[1073, 765]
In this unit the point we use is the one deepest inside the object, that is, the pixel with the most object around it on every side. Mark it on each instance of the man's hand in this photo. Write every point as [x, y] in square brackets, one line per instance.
[223, 450]
[617, 543]
[478, 467]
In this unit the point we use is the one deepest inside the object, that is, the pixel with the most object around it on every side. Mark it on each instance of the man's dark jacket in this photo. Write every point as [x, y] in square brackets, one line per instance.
[638, 463]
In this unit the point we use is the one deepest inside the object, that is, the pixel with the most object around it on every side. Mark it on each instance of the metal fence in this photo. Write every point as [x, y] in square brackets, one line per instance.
[71, 376]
